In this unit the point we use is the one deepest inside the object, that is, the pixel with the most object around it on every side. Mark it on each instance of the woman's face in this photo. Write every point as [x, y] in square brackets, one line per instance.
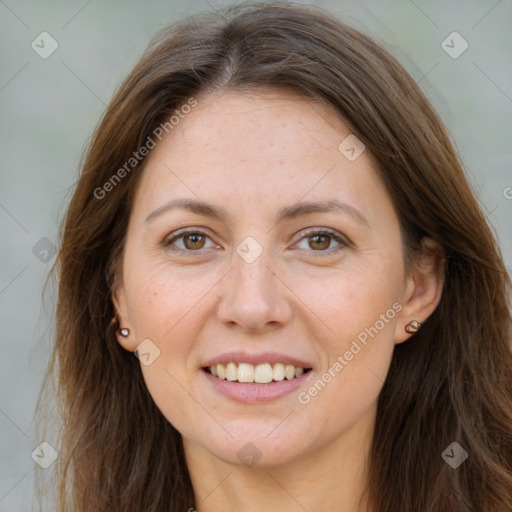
[293, 258]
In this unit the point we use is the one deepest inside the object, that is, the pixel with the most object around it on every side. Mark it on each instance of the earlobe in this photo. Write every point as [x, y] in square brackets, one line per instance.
[124, 332]
[412, 327]
[423, 290]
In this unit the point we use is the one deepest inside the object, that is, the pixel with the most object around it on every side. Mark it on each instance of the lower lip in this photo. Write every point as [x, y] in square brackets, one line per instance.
[252, 393]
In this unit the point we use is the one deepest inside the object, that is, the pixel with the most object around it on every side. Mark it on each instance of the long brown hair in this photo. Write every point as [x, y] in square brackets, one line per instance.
[451, 383]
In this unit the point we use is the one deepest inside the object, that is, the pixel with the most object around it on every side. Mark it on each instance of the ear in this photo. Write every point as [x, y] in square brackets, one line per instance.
[424, 287]
[118, 297]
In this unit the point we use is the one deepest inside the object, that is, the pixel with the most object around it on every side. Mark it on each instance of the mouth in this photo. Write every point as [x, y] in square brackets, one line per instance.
[256, 378]
[247, 373]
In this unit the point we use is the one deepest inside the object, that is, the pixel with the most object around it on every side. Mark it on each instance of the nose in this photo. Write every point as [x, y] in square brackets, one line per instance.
[253, 297]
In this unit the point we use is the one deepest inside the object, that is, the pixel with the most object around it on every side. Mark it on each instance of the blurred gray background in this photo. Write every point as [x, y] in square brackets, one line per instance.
[50, 104]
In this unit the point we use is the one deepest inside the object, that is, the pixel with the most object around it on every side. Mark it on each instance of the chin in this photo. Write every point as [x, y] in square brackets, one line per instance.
[253, 446]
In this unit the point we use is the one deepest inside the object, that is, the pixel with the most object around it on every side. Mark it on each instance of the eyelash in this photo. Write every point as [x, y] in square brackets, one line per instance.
[167, 243]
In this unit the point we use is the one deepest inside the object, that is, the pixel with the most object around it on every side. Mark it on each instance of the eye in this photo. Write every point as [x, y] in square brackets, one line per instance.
[320, 241]
[191, 241]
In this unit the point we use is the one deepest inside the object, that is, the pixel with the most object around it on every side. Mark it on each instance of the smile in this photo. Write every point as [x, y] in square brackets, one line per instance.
[258, 374]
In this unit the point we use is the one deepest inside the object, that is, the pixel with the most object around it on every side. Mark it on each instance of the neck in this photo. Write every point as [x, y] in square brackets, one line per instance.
[333, 477]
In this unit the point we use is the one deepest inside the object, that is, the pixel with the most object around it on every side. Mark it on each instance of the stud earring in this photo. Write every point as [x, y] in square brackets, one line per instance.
[124, 332]
[412, 327]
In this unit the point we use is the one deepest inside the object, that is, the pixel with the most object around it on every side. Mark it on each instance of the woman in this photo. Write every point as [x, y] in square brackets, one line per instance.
[272, 219]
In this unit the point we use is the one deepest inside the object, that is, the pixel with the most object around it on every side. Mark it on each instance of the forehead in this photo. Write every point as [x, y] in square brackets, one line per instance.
[263, 124]
[256, 148]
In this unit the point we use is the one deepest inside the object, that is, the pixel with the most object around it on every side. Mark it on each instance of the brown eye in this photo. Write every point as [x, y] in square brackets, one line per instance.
[188, 242]
[319, 242]
[194, 241]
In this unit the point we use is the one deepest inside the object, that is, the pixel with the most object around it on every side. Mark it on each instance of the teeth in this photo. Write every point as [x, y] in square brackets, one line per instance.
[289, 371]
[279, 371]
[231, 371]
[245, 372]
[263, 374]
[260, 374]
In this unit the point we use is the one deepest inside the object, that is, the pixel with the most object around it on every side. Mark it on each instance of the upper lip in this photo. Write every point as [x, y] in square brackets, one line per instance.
[259, 358]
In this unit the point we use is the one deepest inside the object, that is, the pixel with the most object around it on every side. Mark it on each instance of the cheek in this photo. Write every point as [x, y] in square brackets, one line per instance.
[170, 306]
[358, 311]
[354, 298]
[162, 298]
[166, 308]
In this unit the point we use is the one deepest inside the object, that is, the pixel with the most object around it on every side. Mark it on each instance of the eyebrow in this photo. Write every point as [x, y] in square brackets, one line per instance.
[287, 213]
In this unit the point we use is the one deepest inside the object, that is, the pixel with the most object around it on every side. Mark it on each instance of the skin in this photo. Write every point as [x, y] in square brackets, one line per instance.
[253, 153]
